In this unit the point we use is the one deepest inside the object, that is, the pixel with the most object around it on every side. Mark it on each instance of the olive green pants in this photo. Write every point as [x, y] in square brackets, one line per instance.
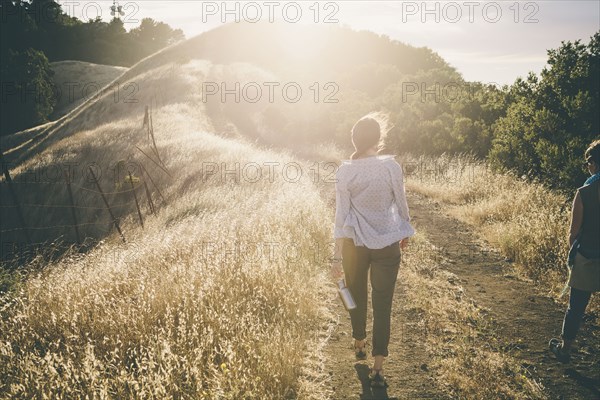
[382, 266]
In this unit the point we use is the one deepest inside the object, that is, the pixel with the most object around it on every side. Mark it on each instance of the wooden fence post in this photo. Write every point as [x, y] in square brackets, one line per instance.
[115, 222]
[153, 139]
[145, 123]
[154, 184]
[137, 205]
[15, 198]
[148, 196]
[73, 213]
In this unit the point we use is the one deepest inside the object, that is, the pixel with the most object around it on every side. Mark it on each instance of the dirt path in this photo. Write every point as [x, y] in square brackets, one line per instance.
[523, 319]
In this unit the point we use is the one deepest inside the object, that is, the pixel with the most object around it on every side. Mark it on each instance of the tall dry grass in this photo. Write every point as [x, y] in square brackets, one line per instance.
[180, 311]
[222, 295]
[525, 220]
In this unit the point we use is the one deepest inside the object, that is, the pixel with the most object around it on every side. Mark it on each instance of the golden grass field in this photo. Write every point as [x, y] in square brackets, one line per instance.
[220, 296]
[171, 313]
[224, 294]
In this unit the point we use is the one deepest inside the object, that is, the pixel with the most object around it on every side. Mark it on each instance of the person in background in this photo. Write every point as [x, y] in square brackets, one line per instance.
[584, 278]
[372, 225]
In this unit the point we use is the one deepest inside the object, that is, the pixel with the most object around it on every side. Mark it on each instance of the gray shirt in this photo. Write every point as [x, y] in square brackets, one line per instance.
[371, 204]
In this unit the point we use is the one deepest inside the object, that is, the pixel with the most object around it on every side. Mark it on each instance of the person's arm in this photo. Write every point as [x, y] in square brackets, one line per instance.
[342, 208]
[399, 192]
[337, 271]
[342, 205]
[400, 198]
[576, 218]
[338, 249]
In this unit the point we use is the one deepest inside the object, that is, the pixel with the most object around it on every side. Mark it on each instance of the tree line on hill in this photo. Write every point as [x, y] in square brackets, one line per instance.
[538, 127]
[36, 32]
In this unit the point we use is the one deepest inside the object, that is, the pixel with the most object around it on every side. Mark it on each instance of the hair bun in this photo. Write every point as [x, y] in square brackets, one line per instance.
[366, 133]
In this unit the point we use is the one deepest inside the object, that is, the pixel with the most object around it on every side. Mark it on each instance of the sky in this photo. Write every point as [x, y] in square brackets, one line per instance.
[488, 41]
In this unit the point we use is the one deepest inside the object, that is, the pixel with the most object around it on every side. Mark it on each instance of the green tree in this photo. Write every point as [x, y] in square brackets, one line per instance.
[27, 90]
[152, 36]
[35, 31]
[551, 119]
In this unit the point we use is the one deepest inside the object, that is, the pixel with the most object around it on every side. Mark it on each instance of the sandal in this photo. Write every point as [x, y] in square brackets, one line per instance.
[360, 352]
[377, 379]
[556, 348]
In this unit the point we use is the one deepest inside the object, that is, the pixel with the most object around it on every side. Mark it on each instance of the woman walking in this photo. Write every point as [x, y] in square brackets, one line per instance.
[372, 225]
[585, 233]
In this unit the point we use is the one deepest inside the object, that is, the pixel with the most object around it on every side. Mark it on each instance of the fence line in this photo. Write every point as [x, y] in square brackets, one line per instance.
[149, 197]
[114, 219]
[73, 187]
[52, 227]
[15, 198]
[137, 205]
[69, 206]
[155, 162]
[97, 192]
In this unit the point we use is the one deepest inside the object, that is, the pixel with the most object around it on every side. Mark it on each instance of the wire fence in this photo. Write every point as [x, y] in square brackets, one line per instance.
[71, 223]
[113, 205]
[27, 208]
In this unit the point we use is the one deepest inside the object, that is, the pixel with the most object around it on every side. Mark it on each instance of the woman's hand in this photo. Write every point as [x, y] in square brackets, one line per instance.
[403, 243]
[336, 271]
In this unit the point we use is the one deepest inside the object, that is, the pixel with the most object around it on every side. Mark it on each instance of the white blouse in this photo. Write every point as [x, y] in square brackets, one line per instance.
[371, 203]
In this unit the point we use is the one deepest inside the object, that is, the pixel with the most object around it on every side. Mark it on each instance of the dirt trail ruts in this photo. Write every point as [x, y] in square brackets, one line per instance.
[525, 319]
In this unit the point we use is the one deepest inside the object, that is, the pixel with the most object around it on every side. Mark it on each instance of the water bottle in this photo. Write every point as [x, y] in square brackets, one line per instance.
[346, 295]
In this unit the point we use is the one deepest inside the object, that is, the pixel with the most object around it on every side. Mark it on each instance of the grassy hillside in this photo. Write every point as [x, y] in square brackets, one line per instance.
[220, 295]
[196, 305]
[223, 293]
[107, 127]
[75, 80]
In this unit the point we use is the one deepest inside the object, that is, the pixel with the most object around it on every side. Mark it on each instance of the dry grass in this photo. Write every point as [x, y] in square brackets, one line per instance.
[222, 295]
[219, 297]
[526, 221]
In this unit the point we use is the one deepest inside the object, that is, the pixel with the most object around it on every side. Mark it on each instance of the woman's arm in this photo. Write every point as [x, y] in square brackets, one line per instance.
[342, 205]
[342, 208]
[336, 266]
[399, 192]
[400, 198]
[576, 218]
[337, 250]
